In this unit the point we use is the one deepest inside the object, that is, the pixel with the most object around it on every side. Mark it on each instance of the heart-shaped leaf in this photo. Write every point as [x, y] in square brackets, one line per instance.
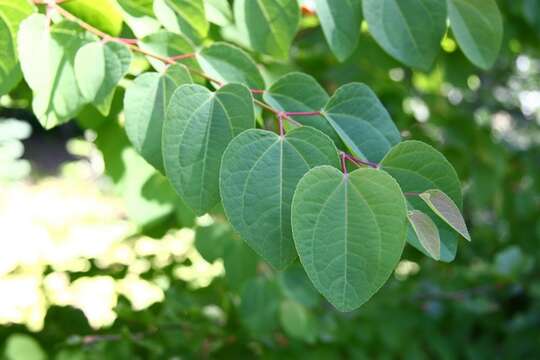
[145, 105]
[349, 231]
[227, 63]
[446, 209]
[47, 61]
[11, 15]
[340, 22]
[409, 31]
[427, 232]
[259, 173]
[98, 69]
[477, 26]
[300, 92]
[361, 121]
[183, 16]
[418, 167]
[269, 25]
[200, 124]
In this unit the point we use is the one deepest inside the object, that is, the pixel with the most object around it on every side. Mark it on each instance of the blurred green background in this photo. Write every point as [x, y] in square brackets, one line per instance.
[100, 259]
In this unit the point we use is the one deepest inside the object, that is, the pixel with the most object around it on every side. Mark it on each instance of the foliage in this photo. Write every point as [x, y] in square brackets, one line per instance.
[229, 107]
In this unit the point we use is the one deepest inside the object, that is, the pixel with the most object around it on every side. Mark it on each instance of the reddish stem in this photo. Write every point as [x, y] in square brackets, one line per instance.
[302, 113]
[343, 159]
[361, 162]
[182, 56]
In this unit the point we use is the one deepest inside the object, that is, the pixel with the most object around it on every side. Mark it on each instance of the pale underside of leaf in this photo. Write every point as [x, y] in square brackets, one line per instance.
[447, 210]
[427, 232]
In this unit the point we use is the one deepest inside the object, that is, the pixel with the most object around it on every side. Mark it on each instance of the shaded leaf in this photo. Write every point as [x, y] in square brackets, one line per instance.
[259, 173]
[477, 26]
[349, 231]
[259, 306]
[340, 21]
[269, 25]
[228, 63]
[418, 167]
[361, 121]
[410, 31]
[301, 92]
[145, 105]
[199, 126]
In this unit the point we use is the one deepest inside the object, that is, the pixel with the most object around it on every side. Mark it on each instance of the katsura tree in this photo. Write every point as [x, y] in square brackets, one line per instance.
[300, 173]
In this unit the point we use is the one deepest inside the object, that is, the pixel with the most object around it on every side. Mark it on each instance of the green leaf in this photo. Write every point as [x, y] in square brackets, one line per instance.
[340, 21]
[183, 16]
[269, 25]
[259, 306]
[23, 347]
[418, 167]
[12, 13]
[139, 16]
[211, 241]
[98, 69]
[228, 63]
[296, 286]
[297, 321]
[447, 210]
[145, 105]
[259, 173]
[102, 14]
[349, 231]
[361, 121]
[47, 61]
[167, 44]
[240, 263]
[477, 26]
[427, 232]
[199, 126]
[409, 31]
[301, 92]
[218, 12]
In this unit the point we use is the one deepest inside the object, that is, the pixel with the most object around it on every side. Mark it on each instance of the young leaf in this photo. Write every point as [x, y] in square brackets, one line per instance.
[47, 61]
[218, 12]
[418, 167]
[167, 44]
[427, 232]
[361, 121]
[228, 64]
[446, 209]
[269, 25]
[199, 126]
[477, 26]
[98, 69]
[183, 16]
[11, 15]
[259, 173]
[409, 31]
[301, 92]
[145, 105]
[297, 321]
[349, 231]
[340, 21]
[102, 14]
